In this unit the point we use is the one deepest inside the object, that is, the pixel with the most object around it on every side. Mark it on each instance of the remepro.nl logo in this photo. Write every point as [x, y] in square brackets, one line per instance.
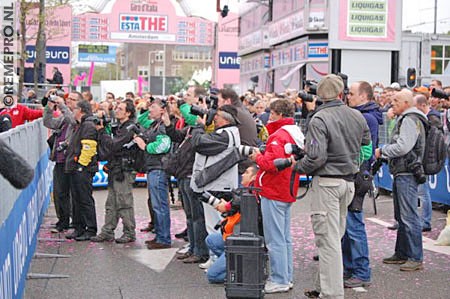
[8, 53]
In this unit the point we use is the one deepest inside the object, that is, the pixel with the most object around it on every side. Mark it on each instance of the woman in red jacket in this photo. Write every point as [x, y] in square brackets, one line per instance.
[276, 198]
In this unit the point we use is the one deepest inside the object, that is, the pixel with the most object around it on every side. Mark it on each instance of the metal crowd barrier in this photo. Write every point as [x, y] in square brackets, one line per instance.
[22, 211]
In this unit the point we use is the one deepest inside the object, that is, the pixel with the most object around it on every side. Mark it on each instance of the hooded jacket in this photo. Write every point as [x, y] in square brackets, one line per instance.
[374, 118]
[274, 184]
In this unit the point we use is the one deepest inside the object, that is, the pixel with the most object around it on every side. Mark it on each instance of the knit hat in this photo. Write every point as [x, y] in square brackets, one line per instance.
[232, 112]
[330, 87]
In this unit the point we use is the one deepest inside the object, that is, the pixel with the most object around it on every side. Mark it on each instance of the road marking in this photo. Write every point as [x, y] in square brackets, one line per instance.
[156, 260]
[428, 243]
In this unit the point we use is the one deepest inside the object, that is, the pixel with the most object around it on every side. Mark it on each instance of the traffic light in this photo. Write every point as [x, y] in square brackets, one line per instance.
[411, 78]
[224, 11]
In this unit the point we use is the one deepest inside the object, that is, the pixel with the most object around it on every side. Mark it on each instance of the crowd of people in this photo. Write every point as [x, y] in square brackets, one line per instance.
[199, 132]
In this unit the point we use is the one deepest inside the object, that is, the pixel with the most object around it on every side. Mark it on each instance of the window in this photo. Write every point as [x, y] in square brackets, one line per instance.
[440, 58]
[159, 71]
[159, 56]
[143, 71]
[176, 68]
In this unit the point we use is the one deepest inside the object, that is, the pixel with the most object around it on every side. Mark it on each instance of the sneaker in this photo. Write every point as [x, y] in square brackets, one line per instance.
[150, 241]
[73, 235]
[312, 294]
[150, 227]
[60, 229]
[206, 264]
[181, 235]
[355, 282]
[184, 256]
[86, 236]
[411, 266]
[184, 249]
[393, 226]
[273, 287]
[291, 285]
[394, 260]
[156, 245]
[102, 238]
[194, 259]
[125, 239]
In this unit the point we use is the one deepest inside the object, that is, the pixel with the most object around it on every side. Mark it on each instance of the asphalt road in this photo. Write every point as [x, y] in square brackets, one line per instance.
[113, 271]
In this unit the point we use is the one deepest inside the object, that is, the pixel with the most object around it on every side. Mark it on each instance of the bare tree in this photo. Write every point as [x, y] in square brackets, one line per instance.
[39, 61]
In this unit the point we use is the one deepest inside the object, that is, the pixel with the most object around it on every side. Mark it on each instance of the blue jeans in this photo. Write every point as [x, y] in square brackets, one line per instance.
[195, 219]
[409, 234]
[158, 187]
[423, 192]
[218, 270]
[355, 250]
[277, 234]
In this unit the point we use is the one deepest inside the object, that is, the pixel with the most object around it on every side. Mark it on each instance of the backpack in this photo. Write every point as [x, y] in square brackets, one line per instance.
[435, 148]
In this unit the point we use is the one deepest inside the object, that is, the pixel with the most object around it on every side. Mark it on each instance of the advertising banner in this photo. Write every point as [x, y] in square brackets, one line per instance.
[97, 53]
[229, 60]
[55, 55]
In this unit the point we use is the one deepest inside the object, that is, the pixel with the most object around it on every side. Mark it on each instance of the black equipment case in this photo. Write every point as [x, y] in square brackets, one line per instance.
[246, 266]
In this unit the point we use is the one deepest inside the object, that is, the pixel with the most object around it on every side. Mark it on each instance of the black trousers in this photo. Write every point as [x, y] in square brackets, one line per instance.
[84, 216]
[61, 195]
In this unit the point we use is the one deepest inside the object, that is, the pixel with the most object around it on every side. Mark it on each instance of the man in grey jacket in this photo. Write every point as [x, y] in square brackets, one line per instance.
[335, 135]
[64, 127]
[405, 153]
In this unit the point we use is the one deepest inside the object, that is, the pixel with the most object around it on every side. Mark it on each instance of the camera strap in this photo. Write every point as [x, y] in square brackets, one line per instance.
[292, 183]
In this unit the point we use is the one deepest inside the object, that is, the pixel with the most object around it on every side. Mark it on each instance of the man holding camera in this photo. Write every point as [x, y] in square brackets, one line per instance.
[335, 135]
[404, 154]
[212, 153]
[81, 163]
[157, 144]
[63, 127]
[119, 203]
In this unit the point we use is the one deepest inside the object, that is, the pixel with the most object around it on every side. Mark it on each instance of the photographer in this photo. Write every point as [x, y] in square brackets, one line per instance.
[156, 145]
[210, 170]
[335, 135]
[195, 218]
[81, 164]
[63, 127]
[276, 198]
[192, 97]
[404, 153]
[119, 203]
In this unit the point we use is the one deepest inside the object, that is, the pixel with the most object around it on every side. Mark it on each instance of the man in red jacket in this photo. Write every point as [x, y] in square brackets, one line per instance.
[276, 197]
[21, 113]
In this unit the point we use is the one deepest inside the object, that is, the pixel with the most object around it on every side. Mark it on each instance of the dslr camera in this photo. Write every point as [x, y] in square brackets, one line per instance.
[212, 101]
[246, 150]
[136, 130]
[440, 94]
[310, 91]
[102, 120]
[417, 170]
[290, 149]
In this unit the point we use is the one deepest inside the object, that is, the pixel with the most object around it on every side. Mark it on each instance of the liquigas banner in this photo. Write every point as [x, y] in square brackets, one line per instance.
[8, 53]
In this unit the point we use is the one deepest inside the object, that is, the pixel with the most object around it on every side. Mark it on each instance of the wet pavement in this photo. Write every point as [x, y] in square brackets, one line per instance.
[110, 270]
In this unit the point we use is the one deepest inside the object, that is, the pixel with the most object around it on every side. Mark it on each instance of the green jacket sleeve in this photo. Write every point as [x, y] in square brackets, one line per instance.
[144, 121]
[365, 153]
[190, 119]
[160, 146]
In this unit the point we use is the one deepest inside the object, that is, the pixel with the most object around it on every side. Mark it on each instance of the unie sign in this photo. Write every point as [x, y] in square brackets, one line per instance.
[229, 60]
[147, 23]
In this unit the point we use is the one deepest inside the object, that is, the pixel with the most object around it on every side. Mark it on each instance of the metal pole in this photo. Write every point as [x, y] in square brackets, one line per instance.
[164, 74]
[435, 16]
[149, 73]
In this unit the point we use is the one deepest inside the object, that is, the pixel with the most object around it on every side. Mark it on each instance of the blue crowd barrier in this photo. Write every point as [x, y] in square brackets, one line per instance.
[22, 211]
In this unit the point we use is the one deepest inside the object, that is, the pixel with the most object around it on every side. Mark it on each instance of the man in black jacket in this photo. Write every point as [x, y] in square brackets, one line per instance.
[119, 203]
[195, 218]
[81, 163]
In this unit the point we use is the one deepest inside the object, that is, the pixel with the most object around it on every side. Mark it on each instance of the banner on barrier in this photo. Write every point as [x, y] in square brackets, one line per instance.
[18, 233]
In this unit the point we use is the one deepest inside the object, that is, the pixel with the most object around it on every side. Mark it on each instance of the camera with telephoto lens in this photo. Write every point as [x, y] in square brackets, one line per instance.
[309, 94]
[290, 149]
[246, 150]
[375, 167]
[137, 131]
[417, 170]
[212, 101]
[211, 199]
[440, 94]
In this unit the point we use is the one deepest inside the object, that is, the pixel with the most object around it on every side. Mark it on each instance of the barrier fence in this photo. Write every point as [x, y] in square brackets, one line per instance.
[22, 211]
